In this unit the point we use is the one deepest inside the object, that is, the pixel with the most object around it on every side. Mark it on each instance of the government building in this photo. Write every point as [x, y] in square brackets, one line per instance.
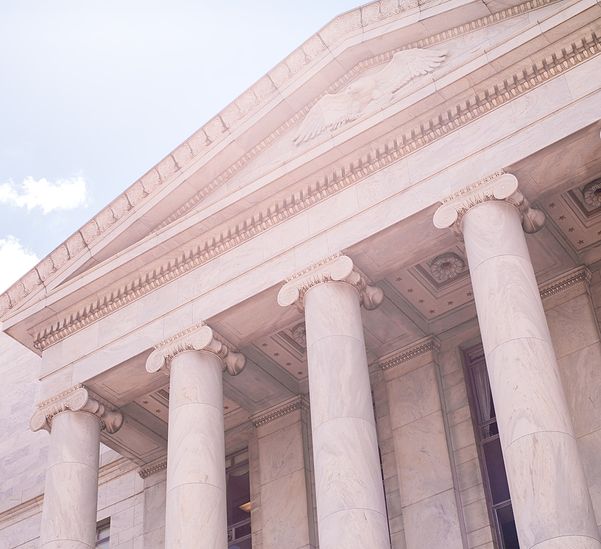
[357, 309]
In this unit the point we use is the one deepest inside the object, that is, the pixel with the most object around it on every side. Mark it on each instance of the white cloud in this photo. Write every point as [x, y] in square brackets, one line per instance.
[15, 261]
[62, 194]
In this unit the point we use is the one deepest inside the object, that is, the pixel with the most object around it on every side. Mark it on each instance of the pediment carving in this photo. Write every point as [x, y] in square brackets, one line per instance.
[367, 94]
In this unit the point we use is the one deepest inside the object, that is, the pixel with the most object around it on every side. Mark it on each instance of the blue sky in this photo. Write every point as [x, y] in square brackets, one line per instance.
[95, 93]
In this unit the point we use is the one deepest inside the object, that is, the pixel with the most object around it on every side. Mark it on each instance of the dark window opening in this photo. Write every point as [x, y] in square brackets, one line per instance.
[489, 450]
[103, 534]
[238, 502]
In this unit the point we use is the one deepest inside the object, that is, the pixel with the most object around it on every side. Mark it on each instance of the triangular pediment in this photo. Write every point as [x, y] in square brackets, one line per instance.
[368, 73]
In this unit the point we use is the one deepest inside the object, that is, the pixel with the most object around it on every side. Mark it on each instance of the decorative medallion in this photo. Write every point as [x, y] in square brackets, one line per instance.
[446, 267]
[592, 194]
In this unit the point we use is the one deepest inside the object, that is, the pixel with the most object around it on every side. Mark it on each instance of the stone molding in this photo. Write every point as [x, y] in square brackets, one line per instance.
[336, 268]
[498, 186]
[579, 275]
[280, 410]
[152, 468]
[354, 171]
[76, 399]
[428, 344]
[196, 338]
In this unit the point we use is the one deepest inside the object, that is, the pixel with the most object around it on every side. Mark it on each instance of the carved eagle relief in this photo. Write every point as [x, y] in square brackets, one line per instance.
[368, 93]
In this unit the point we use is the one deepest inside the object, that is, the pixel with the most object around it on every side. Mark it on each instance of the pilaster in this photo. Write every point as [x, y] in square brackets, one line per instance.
[421, 446]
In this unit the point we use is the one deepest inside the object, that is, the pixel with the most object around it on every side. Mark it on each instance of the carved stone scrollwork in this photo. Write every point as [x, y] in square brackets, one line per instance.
[338, 268]
[498, 186]
[592, 193]
[197, 338]
[76, 399]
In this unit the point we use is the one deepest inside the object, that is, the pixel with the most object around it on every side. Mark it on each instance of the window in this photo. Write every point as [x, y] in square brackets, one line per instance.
[489, 449]
[103, 531]
[238, 502]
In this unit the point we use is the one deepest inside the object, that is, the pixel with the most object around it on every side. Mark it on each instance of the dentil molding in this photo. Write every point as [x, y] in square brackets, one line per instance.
[498, 186]
[196, 338]
[580, 275]
[337, 268]
[429, 344]
[341, 177]
[76, 399]
[280, 410]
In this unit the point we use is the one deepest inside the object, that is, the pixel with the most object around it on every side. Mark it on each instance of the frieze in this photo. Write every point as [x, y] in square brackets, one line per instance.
[216, 130]
[384, 155]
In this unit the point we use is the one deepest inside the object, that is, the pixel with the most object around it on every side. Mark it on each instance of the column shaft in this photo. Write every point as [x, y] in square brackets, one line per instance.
[351, 511]
[550, 497]
[196, 504]
[71, 490]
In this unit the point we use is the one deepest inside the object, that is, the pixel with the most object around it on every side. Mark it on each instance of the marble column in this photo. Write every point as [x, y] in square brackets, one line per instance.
[195, 499]
[74, 419]
[549, 492]
[351, 511]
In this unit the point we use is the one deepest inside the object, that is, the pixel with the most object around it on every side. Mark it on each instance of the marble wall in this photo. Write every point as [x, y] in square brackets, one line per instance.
[287, 518]
[425, 474]
[573, 322]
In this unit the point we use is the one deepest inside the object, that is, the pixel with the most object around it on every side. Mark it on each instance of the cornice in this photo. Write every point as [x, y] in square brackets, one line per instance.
[337, 268]
[219, 128]
[281, 410]
[426, 345]
[196, 338]
[579, 275]
[77, 399]
[352, 172]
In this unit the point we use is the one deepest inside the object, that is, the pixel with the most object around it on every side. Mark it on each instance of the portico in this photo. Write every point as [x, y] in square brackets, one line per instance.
[313, 292]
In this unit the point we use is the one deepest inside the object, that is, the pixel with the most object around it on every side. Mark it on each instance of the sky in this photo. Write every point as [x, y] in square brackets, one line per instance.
[94, 93]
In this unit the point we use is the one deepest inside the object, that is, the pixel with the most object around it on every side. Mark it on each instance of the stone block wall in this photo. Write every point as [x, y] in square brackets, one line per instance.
[573, 317]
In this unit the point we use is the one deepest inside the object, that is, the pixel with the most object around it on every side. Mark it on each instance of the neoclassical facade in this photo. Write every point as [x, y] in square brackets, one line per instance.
[358, 309]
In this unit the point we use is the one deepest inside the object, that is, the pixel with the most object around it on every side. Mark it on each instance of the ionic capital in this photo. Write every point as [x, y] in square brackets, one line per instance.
[498, 186]
[76, 399]
[338, 268]
[197, 338]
